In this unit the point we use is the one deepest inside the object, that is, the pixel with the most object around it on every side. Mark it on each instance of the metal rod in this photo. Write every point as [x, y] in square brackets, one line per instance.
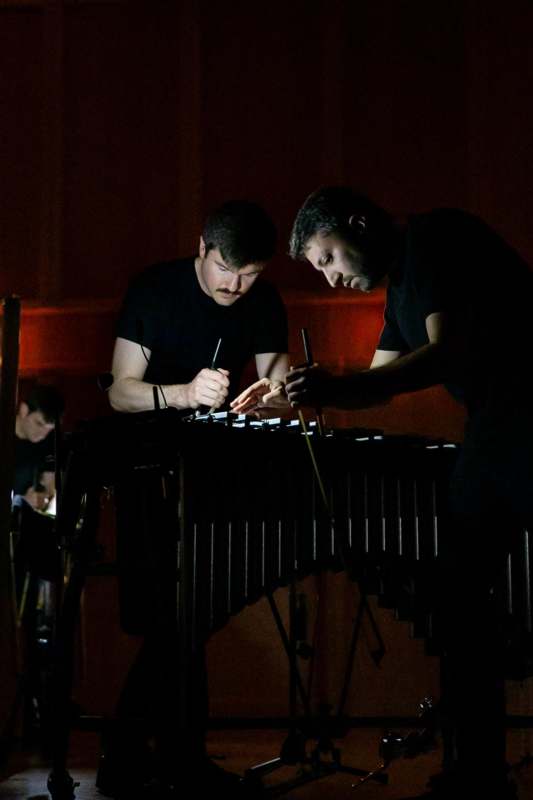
[307, 347]
[313, 461]
[310, 361]
[214, 366]
[215, 354]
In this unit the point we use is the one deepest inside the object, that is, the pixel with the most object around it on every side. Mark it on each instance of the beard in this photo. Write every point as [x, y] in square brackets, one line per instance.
[370, 268]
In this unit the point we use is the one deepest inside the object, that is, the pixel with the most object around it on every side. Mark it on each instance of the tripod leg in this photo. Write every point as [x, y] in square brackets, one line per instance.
[356, 631]
[293, 748]
[287, 647]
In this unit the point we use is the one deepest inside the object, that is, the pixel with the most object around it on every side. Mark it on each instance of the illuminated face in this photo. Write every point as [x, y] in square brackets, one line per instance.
[223, 283]
[341, 263]
[31, 425]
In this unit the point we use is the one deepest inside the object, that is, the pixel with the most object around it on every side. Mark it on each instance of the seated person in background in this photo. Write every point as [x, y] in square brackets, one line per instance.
[175, 317]
[35, 557]
[34, 476]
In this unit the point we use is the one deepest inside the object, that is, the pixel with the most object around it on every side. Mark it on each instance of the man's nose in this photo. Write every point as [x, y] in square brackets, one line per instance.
[235, 283]
[333, 278]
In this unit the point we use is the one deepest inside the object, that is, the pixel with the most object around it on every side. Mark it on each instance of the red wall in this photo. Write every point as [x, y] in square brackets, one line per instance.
[71, 345]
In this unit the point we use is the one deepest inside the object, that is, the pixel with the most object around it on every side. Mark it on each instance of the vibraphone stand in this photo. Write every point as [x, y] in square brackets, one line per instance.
[293, 749]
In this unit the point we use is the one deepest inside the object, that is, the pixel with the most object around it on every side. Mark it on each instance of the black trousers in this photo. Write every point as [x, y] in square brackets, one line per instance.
[491, 503]
[152, 699]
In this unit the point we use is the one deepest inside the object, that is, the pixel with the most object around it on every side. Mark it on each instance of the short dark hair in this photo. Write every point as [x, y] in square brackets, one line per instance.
[242, 231]
[46, 399]
[328, 210]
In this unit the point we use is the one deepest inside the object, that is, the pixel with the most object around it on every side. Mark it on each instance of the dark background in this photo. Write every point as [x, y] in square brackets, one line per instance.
[123, 123]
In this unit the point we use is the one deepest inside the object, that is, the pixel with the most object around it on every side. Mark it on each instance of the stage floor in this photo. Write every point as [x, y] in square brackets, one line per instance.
[26, 774]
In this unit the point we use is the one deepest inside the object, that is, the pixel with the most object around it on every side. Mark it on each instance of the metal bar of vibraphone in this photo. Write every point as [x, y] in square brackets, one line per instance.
[279, 549]
[383, 521]
[246, 559]
[194, 588]
[365, 511]
[263, 553]
[315, 522]
[435, 519]
[527, 576]
[509, 583]
[349, 492]
[211, 575]
[229, 571]
[416, 520]
[399, 507]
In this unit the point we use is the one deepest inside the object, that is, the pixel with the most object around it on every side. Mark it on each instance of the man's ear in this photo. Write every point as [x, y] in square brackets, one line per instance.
[201, 249]
[358, 223]
[24, 409]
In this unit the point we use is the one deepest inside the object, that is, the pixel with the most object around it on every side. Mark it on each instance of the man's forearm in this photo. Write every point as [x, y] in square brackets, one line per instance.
[425, 367]
[130, 395]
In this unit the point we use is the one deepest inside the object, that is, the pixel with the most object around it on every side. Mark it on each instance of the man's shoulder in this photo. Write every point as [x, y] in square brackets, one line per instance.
[165, 273]
[449, 233]
[461, 234]
[442, 218]
[24, 449]
[263, 291]
[153, 294]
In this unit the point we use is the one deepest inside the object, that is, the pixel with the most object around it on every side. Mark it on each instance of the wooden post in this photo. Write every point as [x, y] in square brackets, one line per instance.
[9, 353]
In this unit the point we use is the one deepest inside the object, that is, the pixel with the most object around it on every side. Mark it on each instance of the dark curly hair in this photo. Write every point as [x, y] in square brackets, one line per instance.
[242, 231]
[46, 399]
[329, 210]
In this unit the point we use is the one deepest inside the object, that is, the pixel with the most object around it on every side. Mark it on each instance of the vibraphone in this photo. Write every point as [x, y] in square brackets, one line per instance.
[249, 517]
[256, 518]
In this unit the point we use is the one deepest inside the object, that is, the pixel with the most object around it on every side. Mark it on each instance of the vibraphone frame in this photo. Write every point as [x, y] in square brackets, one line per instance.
[388, 504]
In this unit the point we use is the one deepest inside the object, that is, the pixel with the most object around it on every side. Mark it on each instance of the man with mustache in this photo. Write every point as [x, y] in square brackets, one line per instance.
[459, 300]
[175, 313]
[176, 316]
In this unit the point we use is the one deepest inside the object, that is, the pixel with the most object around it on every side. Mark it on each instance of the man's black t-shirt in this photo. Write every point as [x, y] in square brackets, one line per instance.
[31, 460]
[166, 311]
[454, 263]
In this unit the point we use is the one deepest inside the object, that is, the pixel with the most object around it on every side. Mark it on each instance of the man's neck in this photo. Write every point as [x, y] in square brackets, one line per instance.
[197, 264]
[396, 246]
[19, 431]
